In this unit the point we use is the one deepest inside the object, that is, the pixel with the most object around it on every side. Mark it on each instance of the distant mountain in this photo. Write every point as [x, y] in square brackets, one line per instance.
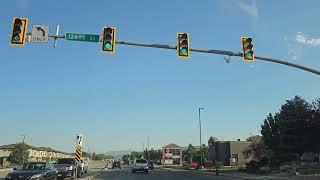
[117, 153]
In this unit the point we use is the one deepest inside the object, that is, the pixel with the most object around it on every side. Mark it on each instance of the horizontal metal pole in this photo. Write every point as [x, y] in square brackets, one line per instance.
[210, 51]
[315, 71]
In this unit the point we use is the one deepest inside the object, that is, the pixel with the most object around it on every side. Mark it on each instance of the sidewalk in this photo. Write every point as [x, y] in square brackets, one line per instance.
[228, 174]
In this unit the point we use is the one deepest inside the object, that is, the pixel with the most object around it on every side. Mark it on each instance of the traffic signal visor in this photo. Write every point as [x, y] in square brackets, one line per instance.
[247, 49]
[19, 31]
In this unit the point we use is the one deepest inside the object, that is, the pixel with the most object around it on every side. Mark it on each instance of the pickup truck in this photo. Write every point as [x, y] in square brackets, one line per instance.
[67, 167]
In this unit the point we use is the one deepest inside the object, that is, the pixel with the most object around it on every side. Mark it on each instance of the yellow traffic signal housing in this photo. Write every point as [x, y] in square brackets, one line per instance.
[247, 49]
[108, 39]
[183, 45]
[19, 31]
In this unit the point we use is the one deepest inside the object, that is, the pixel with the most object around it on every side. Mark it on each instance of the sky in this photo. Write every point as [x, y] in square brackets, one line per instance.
[116, 101]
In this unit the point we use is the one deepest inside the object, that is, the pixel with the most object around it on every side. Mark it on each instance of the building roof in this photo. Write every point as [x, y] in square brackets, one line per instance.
[12, 146]
[171, 146]
[8, 146]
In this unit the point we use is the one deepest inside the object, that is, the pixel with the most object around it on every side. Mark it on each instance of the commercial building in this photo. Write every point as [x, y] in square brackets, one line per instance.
[229, 153]
[172, 155]
[35, 154]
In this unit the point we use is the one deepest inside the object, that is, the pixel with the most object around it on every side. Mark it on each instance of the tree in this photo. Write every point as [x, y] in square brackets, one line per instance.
[20, 154]
[204, 149]
[293, 130]
[257, 151]
[294, 122]
[271, 132]
[85, 154]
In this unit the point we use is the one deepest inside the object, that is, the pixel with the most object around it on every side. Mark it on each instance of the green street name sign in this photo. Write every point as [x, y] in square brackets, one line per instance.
[82, 37]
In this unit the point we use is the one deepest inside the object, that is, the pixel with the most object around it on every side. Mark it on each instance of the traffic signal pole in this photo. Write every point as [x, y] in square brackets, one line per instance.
[212, 51]
[227, 53]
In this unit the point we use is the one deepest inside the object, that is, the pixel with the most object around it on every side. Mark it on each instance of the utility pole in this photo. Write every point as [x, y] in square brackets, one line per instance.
[201, 153]
[148, 149]
[24, 138]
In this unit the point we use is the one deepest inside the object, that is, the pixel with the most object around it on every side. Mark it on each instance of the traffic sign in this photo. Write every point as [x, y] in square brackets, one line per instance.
[40, 33]
[78, 154]
[82, 37]
[79, 139]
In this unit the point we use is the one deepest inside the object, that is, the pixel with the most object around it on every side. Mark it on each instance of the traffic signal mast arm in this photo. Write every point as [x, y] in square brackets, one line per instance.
[213, 51]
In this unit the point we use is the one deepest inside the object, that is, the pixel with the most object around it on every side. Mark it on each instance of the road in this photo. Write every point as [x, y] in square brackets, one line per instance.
[157, 174]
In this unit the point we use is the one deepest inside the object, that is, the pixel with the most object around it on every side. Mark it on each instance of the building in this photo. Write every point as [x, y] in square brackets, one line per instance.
[172, 155]
[229, 153]
[35, 154]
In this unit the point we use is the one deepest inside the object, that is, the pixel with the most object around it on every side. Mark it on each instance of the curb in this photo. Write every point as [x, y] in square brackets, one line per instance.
[227, 175]
[87, 178]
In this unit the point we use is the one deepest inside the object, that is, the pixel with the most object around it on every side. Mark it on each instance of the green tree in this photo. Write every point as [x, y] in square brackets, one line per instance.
[257, 150]
[294, 122]
[205, 149]
[20, 154]
[293, 130]
[85, 154]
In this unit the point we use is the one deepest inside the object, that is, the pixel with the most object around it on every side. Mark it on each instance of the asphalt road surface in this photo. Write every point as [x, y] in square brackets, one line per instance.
[157, 174]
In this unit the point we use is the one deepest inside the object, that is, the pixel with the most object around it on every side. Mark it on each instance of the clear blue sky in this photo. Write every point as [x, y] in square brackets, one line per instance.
[116, 101]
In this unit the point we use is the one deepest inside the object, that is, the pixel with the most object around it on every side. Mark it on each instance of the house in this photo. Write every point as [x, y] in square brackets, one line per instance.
[229, 153]
[35, 154]
[172, 155]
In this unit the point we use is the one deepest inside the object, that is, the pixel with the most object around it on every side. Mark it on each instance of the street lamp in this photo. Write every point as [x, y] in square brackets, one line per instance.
[200, 135]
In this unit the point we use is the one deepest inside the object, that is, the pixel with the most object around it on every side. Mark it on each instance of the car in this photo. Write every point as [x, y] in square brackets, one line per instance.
[67, 167]
[140, 165]
[34, 170]
[84, 165]
[116, 163]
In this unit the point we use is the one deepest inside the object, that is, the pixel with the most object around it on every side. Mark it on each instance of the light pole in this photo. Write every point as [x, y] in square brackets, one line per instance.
[200, 135]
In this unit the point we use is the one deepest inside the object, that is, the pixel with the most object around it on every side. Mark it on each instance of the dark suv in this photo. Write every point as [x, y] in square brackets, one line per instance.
[67, 167]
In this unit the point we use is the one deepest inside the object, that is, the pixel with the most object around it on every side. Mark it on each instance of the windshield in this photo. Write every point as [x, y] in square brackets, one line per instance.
[166, 86]
[33, 166]
[65, 161]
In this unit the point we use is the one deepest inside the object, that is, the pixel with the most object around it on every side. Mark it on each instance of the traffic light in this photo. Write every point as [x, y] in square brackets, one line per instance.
[19, 31]
[108, 39]
[183, 45]
[247, 49]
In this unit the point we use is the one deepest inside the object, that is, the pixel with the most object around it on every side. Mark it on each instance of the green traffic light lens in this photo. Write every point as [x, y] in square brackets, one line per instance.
[248, 55]
[17, 38]
[184, 51]
[107, 45]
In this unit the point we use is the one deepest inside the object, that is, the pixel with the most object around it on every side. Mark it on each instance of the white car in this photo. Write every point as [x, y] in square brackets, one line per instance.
[84, 166]
[140, 165]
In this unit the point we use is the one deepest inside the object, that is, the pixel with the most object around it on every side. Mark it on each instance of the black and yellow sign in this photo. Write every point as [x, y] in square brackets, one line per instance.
[78, 153]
